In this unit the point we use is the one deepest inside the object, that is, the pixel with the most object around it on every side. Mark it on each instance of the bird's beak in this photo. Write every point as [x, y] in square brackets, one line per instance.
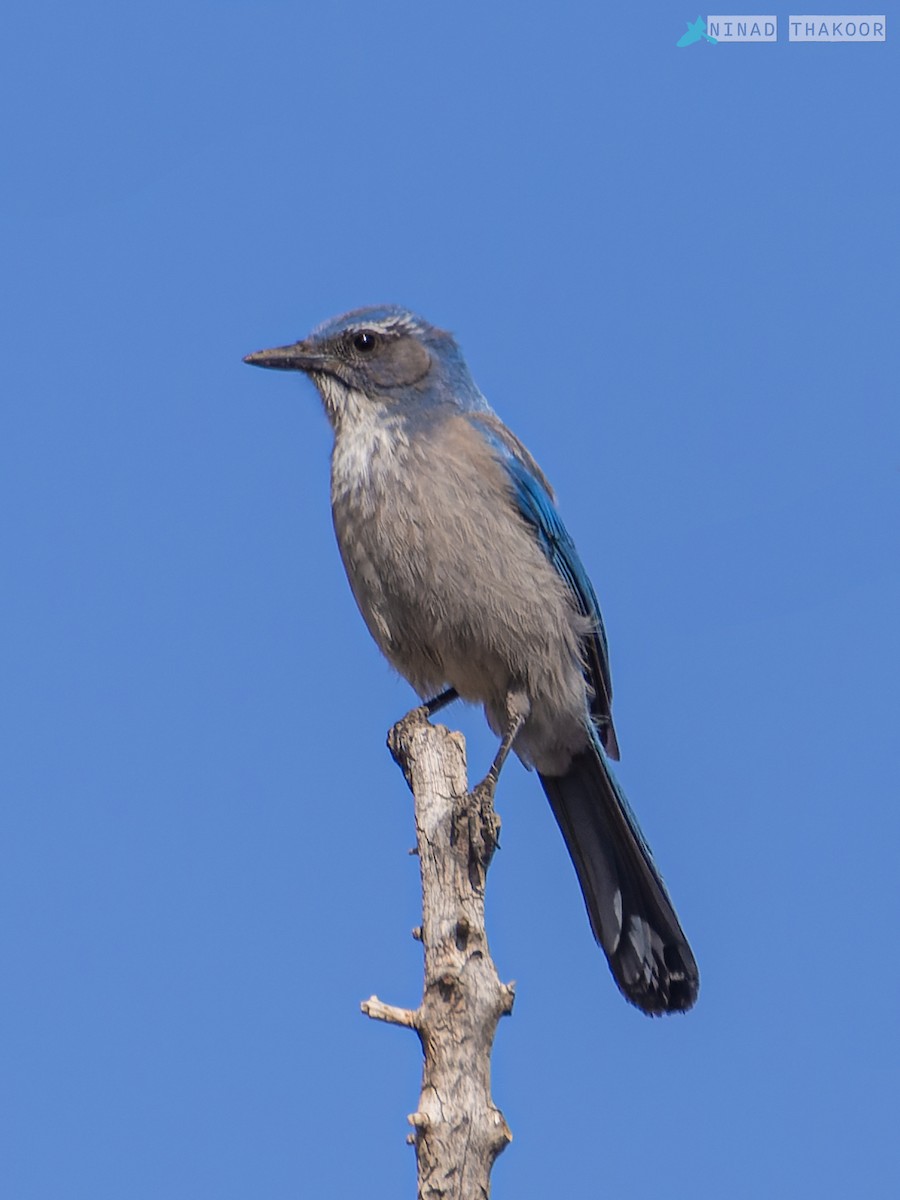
[301, 356]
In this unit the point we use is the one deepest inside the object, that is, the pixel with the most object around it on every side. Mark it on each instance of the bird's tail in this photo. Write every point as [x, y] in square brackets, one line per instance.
[629, 908]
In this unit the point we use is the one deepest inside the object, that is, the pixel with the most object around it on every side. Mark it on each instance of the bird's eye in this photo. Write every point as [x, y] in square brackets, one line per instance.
[364, 342]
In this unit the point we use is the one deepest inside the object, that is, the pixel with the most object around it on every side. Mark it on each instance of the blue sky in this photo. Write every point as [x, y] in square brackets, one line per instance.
[674, 273]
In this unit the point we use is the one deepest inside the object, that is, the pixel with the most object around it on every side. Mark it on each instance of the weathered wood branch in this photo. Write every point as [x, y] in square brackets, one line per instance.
[458, 1130]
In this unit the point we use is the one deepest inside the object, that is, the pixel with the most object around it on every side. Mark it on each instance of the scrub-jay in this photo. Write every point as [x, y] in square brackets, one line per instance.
[469, 582]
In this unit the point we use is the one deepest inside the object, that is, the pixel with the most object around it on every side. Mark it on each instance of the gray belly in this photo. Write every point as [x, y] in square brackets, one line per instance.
[457, 591]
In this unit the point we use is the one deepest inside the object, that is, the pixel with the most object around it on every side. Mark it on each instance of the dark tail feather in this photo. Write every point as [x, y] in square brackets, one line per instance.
[629, 908]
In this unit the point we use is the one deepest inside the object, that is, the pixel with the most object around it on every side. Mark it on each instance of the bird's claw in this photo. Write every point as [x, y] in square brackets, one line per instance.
[484, 823]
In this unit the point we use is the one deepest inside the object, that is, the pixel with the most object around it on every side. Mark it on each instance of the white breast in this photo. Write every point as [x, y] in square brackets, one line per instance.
[369, 446]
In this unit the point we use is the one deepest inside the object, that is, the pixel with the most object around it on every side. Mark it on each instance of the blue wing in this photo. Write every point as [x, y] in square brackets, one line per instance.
[534, 498]
[629, 907]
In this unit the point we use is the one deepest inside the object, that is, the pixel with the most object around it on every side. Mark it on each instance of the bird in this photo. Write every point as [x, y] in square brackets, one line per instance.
[472, 587]
[696, 30]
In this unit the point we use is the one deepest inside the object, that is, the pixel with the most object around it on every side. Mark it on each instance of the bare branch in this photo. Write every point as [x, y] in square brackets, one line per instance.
[378, 1011]
[458, 1130]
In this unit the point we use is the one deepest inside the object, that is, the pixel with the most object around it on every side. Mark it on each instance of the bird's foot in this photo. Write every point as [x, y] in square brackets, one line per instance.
[422, 713]
[400, 734]
[483, 825]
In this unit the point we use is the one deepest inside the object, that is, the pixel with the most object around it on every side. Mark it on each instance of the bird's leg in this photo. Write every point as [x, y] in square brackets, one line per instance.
[436, 703]
[424, 712]
[418, 716]
[518, 708]
[482, 821]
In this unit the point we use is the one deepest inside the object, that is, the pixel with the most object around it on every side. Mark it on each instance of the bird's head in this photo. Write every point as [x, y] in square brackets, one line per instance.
[386, 356]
